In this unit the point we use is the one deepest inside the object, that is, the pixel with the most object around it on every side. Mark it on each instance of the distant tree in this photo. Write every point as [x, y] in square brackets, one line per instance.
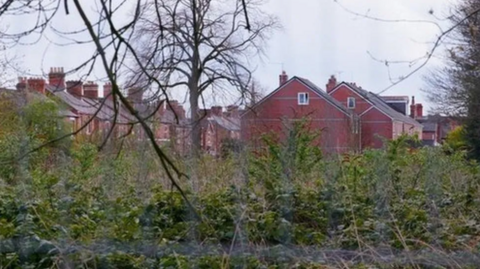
[255, 93]
[27, 122]
[201, 45]
[455, 88]
[456, 139]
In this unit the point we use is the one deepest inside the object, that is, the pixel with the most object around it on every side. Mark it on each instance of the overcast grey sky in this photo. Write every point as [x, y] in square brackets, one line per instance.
[319, 38]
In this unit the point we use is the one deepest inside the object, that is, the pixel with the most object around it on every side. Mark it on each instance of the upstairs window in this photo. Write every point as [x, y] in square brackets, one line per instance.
[303, 98]
[351, 102]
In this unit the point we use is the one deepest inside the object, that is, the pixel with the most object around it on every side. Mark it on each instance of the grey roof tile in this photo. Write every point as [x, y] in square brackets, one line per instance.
[228, 124]
[103, 110]
[324, 94]
[378, 102]
[429, 126]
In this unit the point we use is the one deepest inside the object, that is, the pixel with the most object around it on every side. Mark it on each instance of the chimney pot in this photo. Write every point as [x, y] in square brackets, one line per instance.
[56, 77]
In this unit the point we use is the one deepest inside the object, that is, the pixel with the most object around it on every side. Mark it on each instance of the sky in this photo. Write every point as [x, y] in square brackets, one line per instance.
[319, 38]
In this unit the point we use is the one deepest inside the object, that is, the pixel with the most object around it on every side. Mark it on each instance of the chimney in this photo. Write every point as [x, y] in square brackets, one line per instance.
[36, 84]
[205, 113]
[233, 111]
[217, 110]
[75, 88]
[180, 112]
[419, 110]
[107, 90]
[22, 83]
[90, 90]
[283, 78]
[332, 83]
[160, 104]
[412, 108]
[56, 77]
[135, 95]
[173, 105]
[176, 108]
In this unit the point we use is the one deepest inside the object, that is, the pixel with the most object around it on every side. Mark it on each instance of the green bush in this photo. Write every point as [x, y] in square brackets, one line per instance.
[95, 209]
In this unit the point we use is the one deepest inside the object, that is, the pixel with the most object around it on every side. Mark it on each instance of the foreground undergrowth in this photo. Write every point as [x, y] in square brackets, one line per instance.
[70, 206]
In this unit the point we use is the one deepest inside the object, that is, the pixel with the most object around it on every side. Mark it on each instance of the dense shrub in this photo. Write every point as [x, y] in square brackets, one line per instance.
[288, 207]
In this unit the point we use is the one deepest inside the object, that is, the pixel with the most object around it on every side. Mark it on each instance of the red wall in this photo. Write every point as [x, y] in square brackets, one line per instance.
[375, 123]
[343, 92]
[335, 127]
[428, 136]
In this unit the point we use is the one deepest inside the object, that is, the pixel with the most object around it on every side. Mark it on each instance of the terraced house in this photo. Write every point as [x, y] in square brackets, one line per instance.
[93, 116]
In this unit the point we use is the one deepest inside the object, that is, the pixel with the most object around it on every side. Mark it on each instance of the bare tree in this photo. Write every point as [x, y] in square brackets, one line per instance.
[201, 45]
[455, 88]
[446, 97]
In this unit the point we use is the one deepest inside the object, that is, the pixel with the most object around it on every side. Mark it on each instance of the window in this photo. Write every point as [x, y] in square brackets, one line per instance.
[351, 102]
[303, 98]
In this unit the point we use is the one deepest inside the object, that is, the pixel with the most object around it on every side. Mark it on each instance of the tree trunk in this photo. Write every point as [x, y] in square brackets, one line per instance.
[196, 134]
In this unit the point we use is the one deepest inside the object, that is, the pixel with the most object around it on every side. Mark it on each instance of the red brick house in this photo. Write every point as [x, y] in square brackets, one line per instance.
[378, 119]
[298, 98]
[436, 128]
[218, 126]
[83, 104]
[350, 117]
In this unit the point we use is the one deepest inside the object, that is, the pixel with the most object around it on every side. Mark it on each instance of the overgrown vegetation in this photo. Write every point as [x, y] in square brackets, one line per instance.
[69, 205]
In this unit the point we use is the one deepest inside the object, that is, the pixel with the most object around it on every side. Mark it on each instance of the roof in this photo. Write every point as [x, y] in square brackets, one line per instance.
[230, 124]
[21, 98]
[380, 104]
[312, 87]
[67, 113]
[445, 123]
[324, 94]
[77, 104]
[397, 98]
[147, 109]
[104, 109]
[429, 127]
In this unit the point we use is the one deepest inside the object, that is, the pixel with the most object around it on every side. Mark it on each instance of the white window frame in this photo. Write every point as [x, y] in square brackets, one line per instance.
[305, 95]
[348, 102]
